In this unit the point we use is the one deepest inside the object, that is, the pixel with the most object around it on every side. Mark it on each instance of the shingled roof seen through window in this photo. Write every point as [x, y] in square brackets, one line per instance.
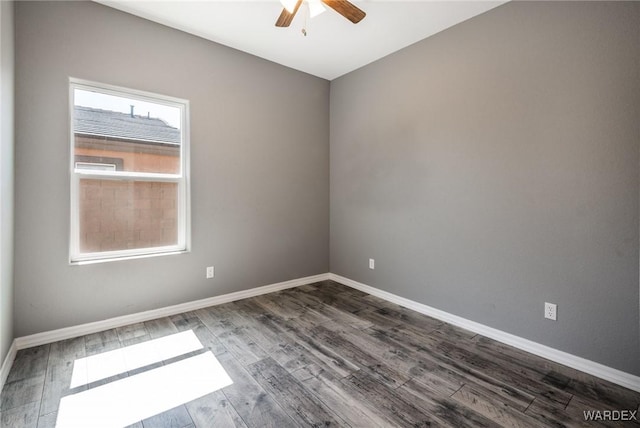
[114, 124]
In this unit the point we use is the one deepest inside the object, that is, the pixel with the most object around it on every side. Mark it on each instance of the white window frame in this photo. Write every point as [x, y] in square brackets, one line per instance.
[181, 179]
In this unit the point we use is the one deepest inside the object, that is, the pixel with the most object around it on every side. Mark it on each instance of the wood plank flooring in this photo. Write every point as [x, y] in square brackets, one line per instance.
[327, 355]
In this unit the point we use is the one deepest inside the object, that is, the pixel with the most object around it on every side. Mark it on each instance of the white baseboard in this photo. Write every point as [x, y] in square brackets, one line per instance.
[7, 363]
[591, 367]
[94, 327]
[596, 369]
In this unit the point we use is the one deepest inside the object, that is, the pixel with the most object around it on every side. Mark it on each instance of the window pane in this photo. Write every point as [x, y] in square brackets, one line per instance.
[118, 135]
[122, 215]
[137, 136]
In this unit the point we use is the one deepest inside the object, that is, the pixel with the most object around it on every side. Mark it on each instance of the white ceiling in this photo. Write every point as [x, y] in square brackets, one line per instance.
[333, 46]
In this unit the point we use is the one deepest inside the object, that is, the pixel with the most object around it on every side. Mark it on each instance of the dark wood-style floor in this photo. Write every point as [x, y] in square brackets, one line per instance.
[327, 355]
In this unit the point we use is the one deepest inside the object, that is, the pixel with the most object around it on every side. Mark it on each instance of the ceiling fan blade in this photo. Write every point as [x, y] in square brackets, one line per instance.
[346, 9]
[285, 18]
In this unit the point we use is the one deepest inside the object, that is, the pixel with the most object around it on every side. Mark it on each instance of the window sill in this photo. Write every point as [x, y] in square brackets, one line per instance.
[121, 258]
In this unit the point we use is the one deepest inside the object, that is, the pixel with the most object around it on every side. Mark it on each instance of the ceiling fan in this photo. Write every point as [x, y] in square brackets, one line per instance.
[343, 7]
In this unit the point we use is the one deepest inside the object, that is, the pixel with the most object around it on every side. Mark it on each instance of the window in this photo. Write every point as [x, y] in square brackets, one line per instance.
[96, 166]
[129, 181]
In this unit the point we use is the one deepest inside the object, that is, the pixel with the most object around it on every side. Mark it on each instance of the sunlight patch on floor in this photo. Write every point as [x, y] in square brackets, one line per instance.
[111, 363]
[126, 401]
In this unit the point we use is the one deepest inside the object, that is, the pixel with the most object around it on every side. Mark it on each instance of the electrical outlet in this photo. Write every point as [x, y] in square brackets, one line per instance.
[550, 311]
[372, 264]
[210, 272]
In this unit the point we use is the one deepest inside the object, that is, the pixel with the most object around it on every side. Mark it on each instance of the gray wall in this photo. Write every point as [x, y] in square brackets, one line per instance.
[487, 169]
[259, 165]
[494, 167]
[6, 177]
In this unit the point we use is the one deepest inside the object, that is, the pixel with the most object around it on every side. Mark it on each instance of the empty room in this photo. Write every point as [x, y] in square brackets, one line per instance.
[293, 213]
